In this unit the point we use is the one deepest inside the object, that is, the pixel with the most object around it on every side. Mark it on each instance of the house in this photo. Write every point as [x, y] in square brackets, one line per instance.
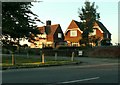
[73, 34]
[102, 33]
[50, 36]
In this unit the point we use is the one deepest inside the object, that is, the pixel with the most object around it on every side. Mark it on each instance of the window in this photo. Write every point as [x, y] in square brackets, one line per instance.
[59, 35]
[73, 33]
[107, 36]
[75, 44]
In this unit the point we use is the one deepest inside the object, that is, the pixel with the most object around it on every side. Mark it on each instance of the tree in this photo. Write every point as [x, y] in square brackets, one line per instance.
[88, 16]
[17, 22]
[94, 39]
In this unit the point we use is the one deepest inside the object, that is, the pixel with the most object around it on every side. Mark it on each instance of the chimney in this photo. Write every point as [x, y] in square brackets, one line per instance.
[47, 27]
[48, 22]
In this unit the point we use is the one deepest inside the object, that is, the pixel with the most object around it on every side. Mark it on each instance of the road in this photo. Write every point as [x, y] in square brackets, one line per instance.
[70, 74]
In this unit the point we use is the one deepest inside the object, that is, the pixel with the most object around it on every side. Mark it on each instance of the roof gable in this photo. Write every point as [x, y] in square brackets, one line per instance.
[79, 24]
[74, 25]
[102, 27]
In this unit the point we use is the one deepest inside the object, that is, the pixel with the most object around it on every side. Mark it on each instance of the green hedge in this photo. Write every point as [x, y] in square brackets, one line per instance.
[63, 51]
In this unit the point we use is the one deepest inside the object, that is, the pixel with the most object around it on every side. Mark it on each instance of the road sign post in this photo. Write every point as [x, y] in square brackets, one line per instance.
[80, 53]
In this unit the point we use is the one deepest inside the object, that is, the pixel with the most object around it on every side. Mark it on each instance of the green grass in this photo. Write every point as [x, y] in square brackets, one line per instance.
[8, 60]
[37, 64]
[34, 61]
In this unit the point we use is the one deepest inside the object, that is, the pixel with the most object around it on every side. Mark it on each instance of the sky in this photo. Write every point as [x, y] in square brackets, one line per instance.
[64, 11]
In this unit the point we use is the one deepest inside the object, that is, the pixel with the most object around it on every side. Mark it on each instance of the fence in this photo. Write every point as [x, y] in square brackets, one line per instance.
[45, 56]
[66, 54]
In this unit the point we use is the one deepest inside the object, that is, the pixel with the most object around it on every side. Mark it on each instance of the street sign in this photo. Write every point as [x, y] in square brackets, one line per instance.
[80, 53]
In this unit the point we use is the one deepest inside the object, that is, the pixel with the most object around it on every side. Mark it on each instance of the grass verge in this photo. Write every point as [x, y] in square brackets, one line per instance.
[38, 64]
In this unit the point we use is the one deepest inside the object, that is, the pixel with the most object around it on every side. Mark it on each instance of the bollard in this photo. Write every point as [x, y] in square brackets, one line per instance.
[55, 56]
[13, 59]
[72, 58]
[43, 59]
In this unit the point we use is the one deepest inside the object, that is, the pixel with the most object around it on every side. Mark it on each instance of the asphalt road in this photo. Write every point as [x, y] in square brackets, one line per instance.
[70, 74]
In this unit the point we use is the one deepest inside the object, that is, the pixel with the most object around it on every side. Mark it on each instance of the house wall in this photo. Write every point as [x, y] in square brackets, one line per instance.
[49, 38]
[39, 44]
[99, 34]
[73, 39]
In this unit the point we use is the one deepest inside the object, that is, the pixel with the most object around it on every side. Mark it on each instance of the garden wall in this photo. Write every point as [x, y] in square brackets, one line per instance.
[105, 51]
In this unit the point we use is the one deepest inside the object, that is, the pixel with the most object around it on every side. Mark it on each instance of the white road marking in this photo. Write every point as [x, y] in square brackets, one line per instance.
[88, 79]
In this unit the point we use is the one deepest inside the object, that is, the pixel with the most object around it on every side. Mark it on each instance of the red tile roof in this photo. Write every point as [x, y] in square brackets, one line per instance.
[53, 29]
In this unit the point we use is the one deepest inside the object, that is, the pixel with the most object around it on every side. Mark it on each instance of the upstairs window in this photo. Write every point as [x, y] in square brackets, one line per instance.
[59, 35]
[73, 33]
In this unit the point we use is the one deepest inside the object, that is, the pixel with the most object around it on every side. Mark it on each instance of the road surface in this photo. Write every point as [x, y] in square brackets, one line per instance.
[69, 74]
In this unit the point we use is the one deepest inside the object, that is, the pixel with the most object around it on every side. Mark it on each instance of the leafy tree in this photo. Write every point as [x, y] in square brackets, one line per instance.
[94, 39]
[17, 22]
[88, 16]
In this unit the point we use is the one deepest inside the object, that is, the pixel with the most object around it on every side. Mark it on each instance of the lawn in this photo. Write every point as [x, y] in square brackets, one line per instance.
[35, 61]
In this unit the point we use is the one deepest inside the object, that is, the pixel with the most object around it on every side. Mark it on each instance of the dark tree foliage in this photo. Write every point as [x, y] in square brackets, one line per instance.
[88, 16]
[17, 22]
[105, 42]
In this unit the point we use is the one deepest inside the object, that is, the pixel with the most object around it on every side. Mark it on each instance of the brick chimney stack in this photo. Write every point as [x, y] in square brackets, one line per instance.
[48, 22]
[47, 27]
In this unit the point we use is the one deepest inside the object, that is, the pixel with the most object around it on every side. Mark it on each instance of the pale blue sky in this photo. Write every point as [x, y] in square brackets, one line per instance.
[64, 11]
